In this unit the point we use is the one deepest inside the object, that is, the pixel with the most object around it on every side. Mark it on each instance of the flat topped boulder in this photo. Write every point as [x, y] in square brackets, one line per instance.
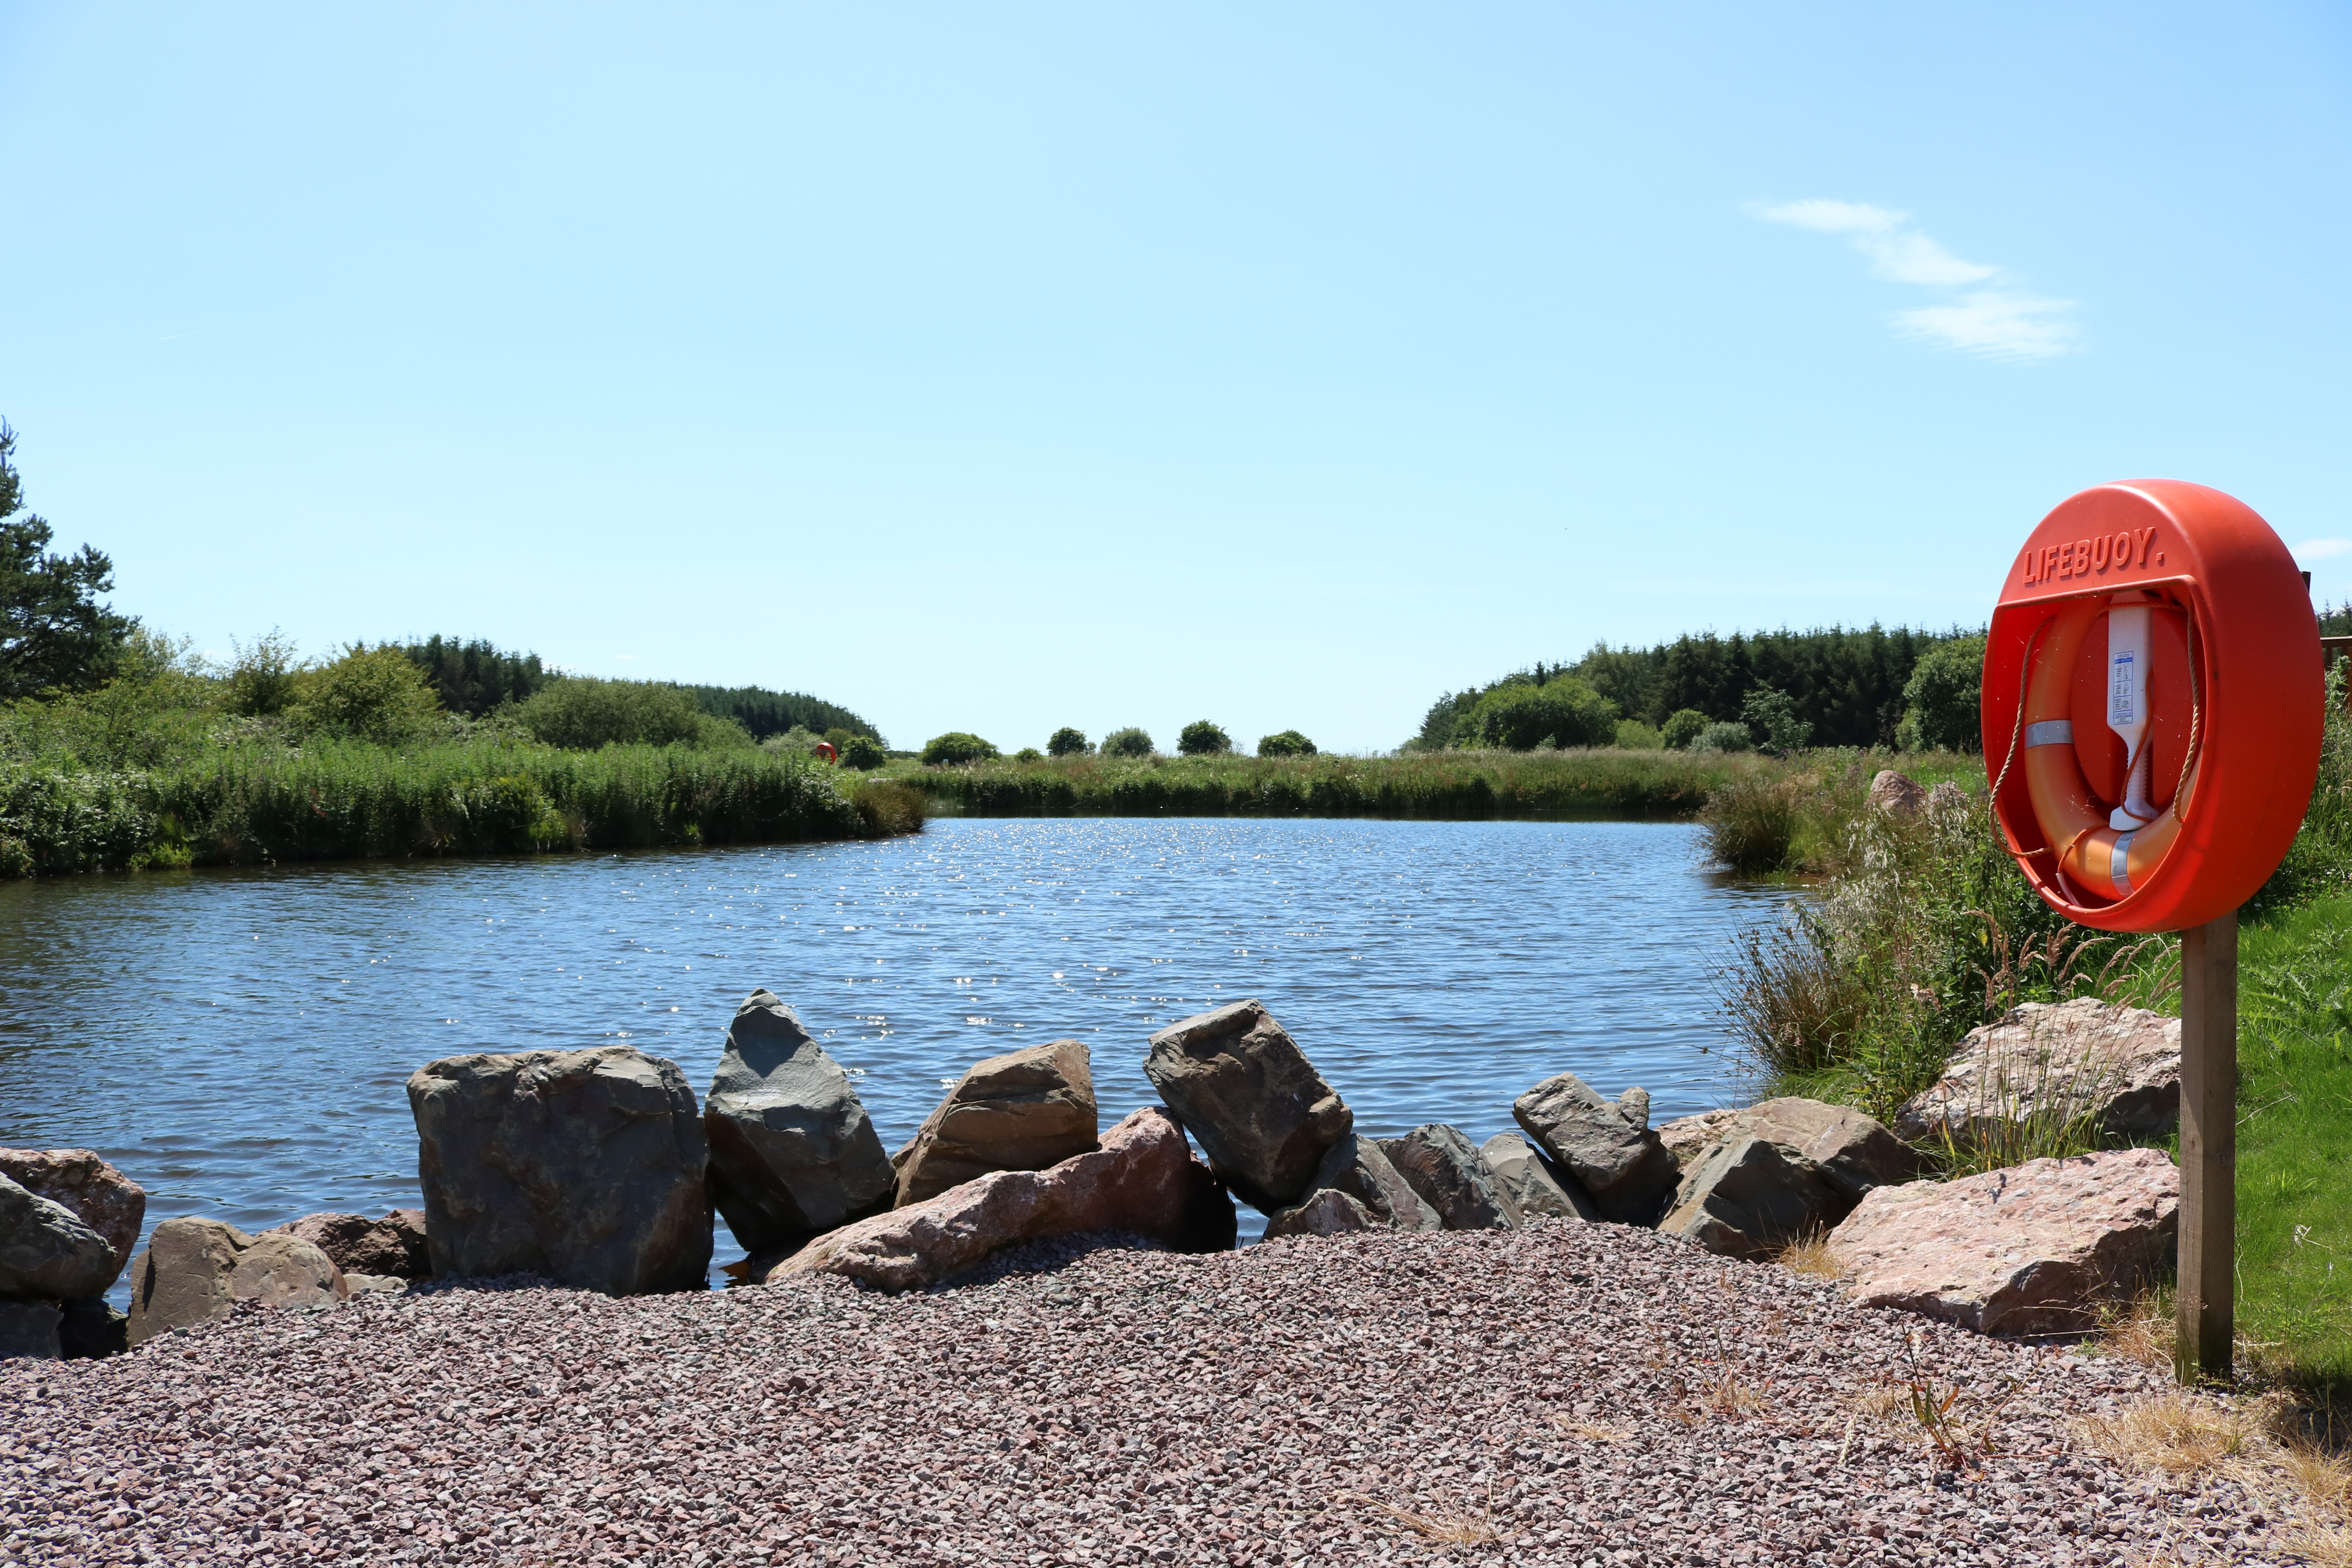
[1781, 1171]
[195, 1269]
[1020, 1111]
[1144, 1179]
[1260, 1111]
[2037, 1248]
[100, 1196]
[1606, 1145]
[47, 1251]
[1855, 1153]
[2115, 1068]
[1441, 1164]
[392, 1248]
[585, 1166]
[793, 1152]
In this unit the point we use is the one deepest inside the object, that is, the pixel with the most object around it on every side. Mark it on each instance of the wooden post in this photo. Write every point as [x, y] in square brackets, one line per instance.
[2209, 1148]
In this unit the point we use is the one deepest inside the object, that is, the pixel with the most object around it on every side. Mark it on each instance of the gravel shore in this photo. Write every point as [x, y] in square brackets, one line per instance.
[1576, 1395]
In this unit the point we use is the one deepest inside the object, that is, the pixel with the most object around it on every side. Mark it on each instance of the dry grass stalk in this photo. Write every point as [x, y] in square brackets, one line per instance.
[2173, 1432]
[1447, 1529]
[2254, 1441]
[2143, 1332]
[1809, 1254]
[1589, 1431]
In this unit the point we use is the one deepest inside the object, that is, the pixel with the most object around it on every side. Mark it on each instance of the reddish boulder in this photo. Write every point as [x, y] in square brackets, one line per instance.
[393, 1246]
[1144, 1179]
[2116, 1069]
[2036, 1249]
[1024, 1111]
[197, 1269]
[100, 1196]
[1897, 795]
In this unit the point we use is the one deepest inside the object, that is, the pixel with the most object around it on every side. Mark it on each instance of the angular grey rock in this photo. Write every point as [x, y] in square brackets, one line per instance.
[1624, 1168]
[1633, 1105]
[1688, 1138]
[793, 1152]
[47, 1251]
[100, 1196]
[28, 1331]
[92, 1330]
[1020, 1111]
[1239, 1084]
[585, 1166]
[1358, 1167]
[1326, 1212]
[1897, 795]
[1751, 1196]
[394, 1245]
[1442, 1165]
[1532, 1183]
[2116, 1067]
[194, 1269]
[1854, 1153]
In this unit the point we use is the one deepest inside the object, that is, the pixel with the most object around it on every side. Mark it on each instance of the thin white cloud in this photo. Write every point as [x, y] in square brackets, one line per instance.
[1994, 323]
[2322, 549]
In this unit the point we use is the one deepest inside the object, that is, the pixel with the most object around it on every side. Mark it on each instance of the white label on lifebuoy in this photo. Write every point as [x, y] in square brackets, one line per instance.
[2127, 701]
[2119, 863]
[2049, 732]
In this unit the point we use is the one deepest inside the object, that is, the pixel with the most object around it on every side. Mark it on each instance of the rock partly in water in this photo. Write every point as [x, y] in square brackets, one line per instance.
[792, 1152]
[1357, 1167]
[2116, 1069]
[100, 1196]
[1607, 1146]
[1020, 1111]
[1897, 795]
[28, 1330]
[1688, 1138]
[1327, 1211]
[1531, 1183]
[1240, 1085]
[394, 1245]
[194, 1269]
[1144, 1179]
[2037, 1248]
[92, 1330]
[585, 1166]
[46, 1252]
[1443, 1166]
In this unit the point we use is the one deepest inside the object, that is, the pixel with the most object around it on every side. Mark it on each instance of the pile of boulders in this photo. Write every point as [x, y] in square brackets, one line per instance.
[597, 1170]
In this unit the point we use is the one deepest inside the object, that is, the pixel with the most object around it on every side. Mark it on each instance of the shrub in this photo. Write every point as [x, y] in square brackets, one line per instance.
[1288, 743]
[885, 808]
[1724, 737]
[1750, 822]
[1130, 742]
[1028, 754]
[1520, 717]
[1771, 718]
[956, 748]
[864, 752]
[1682, 728]
[1202, 739]
[1632, 735]
[1069, 742]
[368, 694]
[261, 680]
[582, 713]
[1944, 697]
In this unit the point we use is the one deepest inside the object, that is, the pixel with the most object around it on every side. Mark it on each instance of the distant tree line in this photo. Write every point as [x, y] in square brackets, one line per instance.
[1848, 686]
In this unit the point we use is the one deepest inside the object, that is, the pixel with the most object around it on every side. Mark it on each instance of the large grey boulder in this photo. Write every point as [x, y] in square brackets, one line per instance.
[99, 1195]
[1358, 1167]
[195, 1269]
[1240, 1085]
[1327, 1211]
[28, 1331]
[1020, 1111]
[392, 1248]
[1531, 1184]
[47, 1251]
[1442, 1164]
[1688, 1138]
[1855, 1153]
[792, 1152]
[585, 1166]
[2116, 1069]
[1781, 1171]
[1606, 1145]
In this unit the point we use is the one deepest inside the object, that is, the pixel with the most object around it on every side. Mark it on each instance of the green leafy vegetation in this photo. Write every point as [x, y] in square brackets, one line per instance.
[1069, 742]
[1682, 728]
[582, 712]
[956, 748]
[475, 678]
[761, 712]
[54, 636]
[1285, 743]
[1202, 739]
[863, 753]
[1943, 699]
[1130, 742]
[1730, 735]
[1558, 713]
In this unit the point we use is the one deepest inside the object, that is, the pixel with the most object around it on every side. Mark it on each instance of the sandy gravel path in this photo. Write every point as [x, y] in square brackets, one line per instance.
[1561, 1388]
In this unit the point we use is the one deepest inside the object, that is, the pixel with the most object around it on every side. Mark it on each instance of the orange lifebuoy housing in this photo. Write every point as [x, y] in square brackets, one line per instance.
[2151, 708]
[824, 749]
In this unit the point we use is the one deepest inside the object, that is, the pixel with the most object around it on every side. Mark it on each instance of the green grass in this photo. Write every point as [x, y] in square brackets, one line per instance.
[345, 799]
[1462, 785]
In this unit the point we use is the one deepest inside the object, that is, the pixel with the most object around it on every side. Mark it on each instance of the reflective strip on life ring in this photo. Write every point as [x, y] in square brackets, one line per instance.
[2091, 854]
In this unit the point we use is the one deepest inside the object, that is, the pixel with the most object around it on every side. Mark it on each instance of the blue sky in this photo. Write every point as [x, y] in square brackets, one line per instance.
[1002, 367]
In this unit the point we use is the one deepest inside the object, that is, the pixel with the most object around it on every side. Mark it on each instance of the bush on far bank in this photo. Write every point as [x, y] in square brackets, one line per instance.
[1682, 727]
[1069, 742]
[1131, 742]
[1202, 739]
[956, 748]
[1285, 743]
[586, 713]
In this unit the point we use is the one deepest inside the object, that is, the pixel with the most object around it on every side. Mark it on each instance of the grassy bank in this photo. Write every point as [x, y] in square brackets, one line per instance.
[1458, 786]
[349, 799]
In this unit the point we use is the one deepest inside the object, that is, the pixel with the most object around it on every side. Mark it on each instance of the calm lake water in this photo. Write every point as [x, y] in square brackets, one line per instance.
[237, 1041]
